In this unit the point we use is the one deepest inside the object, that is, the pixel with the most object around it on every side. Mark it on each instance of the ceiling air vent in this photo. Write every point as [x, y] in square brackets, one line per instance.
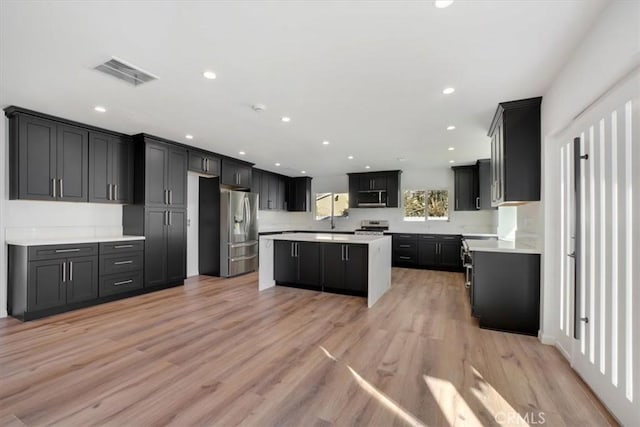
[126, 72]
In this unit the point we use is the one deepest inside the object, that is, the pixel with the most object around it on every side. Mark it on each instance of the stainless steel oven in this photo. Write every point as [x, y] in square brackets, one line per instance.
[372, 199]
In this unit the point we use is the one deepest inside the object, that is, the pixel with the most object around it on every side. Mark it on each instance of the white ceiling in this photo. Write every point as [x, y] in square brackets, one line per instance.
[367, 76]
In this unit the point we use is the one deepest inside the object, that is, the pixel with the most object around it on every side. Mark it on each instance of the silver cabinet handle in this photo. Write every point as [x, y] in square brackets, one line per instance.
[124, 282]
[62, 251]
[108, 191]
[123, 262]
[169, 217]
[115, 192]
[53, 187]
[165, 220]
[203, 164]
[477, 202]
[170, 197]
[64, 272]
[347, 251]
[71, 271]
[122, 246]
[61, 188]
[405, 246]
[341, 252]
[404, 257]
[293, 250]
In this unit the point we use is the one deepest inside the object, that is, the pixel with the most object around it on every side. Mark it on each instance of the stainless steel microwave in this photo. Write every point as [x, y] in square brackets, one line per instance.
[372, 199]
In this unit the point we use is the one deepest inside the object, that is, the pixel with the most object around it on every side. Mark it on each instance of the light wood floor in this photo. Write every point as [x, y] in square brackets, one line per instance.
[219, 352]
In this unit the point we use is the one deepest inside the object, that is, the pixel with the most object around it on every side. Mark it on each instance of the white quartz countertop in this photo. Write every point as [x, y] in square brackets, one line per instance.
[69, 240]
[326, 237]
[481, 235]
[528, 247]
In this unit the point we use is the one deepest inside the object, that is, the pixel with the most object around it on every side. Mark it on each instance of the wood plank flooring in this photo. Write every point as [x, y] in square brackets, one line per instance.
[218, 352]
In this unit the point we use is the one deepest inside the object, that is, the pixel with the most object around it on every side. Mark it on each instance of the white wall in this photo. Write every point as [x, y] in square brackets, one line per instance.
[608, 52]
[425, 179]
[193, 199]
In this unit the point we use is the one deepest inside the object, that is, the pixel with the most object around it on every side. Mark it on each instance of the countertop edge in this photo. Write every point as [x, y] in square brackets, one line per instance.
[71, 240]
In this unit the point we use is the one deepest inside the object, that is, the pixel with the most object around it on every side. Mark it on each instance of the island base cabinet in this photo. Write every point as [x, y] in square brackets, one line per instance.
[506, 291]
[345, 268]
[297, 264]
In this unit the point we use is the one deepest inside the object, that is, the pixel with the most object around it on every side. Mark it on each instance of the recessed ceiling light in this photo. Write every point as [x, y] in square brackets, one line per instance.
[325, 142]
[209, 75]
[401, 159]
[188, 136]
[286, 119]
[100, 109]
[451, 148]
[441, 4]
[350, 157]
[452, 127]
[448, 90]
[303, 171]
[277, 164]
[367, 167]
[452, 161]
[242, 153]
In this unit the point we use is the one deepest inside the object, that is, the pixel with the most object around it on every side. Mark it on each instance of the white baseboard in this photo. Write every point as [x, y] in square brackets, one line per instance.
[3, 313]
[547, 339]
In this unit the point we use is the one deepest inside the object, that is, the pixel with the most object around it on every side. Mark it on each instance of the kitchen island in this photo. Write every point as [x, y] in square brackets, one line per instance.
[341, 263]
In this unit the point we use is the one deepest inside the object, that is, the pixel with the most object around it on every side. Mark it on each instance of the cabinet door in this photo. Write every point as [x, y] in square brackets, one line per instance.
[122, 170]
[465, 188]
[256, 177]
[273, 192]
[37, 158]
[285, 266]
[393, 190]
[365, 183]
[484, 184]
[156, 172]
[357, 268]
[212, 165]
[264, 191]
[427, 252]
[45, 285]
[155, 247]
[450, 254]
[82, 279]
[281, 201]
[333, 268]
[229, 173]
[73, 164]
[244, 176]
[309, 264]
[176, 245]
[100, 158]
[197, 162]
[177, 178]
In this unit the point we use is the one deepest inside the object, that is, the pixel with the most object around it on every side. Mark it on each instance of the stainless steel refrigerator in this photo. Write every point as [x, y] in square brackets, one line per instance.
[238, 232]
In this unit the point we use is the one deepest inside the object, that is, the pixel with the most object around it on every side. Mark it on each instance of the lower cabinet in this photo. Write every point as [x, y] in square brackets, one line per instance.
[51, 280]
[329, 267]
[345, 268]
[506, 291]
[297, 264]
[435, 251]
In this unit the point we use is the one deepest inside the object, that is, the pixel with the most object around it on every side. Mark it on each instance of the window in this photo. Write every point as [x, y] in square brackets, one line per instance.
[332, 205]
[430, 205]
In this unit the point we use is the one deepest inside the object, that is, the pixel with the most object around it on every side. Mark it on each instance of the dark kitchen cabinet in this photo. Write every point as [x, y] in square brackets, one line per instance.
[506, 291]
[516, 152]
[271, 189]
[428, 252]
[449, 252]
[405, 250]
[235, 174]
[432, 251]
[165, 175]
[110, 169]
[297, 264]
[387, 182]
[48, 159]
[345, 268]
[82, 279]
[299, 194]
[484, 184]
[176, 245]
[50, 279]
[204, 163]
[165, 246]
[466, 197]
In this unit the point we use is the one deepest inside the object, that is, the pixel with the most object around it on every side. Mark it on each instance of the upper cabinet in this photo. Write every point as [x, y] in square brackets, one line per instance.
[163, 170]
[110, 168]
[374, 189]
[204, 163]
[466, 188]
[235, 173]
[299, 194]
[271, 189]
[484, 184]
[515, 152]
[48, 159]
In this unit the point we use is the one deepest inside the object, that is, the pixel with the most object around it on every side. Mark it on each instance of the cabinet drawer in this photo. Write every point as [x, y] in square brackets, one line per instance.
[62, 251]
[120, 263]
[119, 283]
[405, 237]
[406, 257]
[405, 245]
[450, 237]
[430, 237]
[121, 246]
